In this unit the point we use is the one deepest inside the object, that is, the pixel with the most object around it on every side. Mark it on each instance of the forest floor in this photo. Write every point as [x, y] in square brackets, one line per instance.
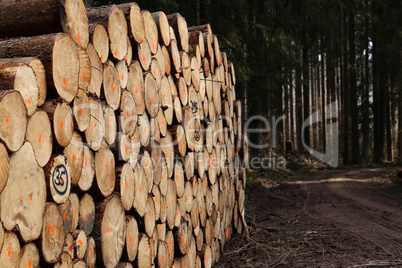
[330, 218]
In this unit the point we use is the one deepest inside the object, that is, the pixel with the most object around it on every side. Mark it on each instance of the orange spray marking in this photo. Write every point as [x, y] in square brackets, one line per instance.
[87, 218]
[122, 76]
[177, 176]
[31, 198]
[51, 228]
[149, 213]
[72, 211]
[126, 59]
[83, 75]
[127, 114]
[90, 249]
[169, 244]
[73, 156]
[113, 88]
[153, 47]
[131, 239]
[161, 260]
[108, 229]
[127, 185]
[115, 53]
[7, 120]
[143, 56]
[126, 149]
[86, 160]
[167, 69]
[101, 57]
[177, 214]
[107, 163]
[70, 246]
[163, 206]
[29, 264]
[136, 90]
[152, 98]
[171, 201]
[182, 240]
[65, 81]
[29, 101]
[147, 248]
[110, 126]
[80, 242]
[140, 190]
[9, 253]
[165, 154]
[61, 123]
[79, 38]
[64, 215]
[80, 110]
[154, 72]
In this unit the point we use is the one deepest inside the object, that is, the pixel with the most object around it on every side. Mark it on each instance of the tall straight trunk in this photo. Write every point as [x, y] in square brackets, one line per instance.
[400, 123]
[330, 74]
[354, 152]
[323, 103]
[306, 92]
[387, 103]
[313, 98]
[378, 99]
[345, 89]
[291, 110]
[366, 94]
[299, 109]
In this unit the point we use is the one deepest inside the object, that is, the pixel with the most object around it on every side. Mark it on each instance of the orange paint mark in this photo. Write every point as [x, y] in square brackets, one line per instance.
[177, 176]
[163, 123]
[108, 230]
[30, 264]
[62, 181]
[127, 114]
[72, 211]
[80, 110]
[182, 240]
[174, 61]
[64, 215]
[184, 90]
[90, 249]
[163, 206]
[169, 244]
[140, 190]
[136, 90]
[171, 201]
[61, 123]
[31, 198]
[70, 246]
[143, 56]
[153, 47]
[65, 81]
[162, 177]
[29, 101]
[149, 213]
[122, 77]
[87, 218]
[79, 38]
[110, 126]
[147, 249]
[181, 143]
[113, 88]
[177, 214]
[101, 57]
[152, 98]
[86, 161]
[7, 120]
[161, 261]
[165, 154]
[167, 70]
[51, 228]
[196, 80]
[126, 149]
[131, 239]
[115, 53]
[146, 164]
[95, 124]
[107, 163]
[154, 72]
[73, 157]
[188, 194]
[9, 253]
[83, 75]
[188, 74]
[80, 242]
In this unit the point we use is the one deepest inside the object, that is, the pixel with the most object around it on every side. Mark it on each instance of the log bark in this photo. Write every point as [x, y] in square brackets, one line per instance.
[59, 56]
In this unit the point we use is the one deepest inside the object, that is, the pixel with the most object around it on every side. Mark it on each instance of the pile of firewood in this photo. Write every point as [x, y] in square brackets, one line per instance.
[120, 138]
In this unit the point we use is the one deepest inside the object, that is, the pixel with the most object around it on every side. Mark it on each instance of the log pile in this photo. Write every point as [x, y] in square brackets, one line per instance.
[120, 139]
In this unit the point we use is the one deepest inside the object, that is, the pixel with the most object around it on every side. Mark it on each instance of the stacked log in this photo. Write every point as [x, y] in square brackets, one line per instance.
[120, 140]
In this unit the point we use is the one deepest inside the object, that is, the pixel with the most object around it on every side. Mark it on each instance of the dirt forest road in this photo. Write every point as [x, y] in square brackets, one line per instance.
[335, 218]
